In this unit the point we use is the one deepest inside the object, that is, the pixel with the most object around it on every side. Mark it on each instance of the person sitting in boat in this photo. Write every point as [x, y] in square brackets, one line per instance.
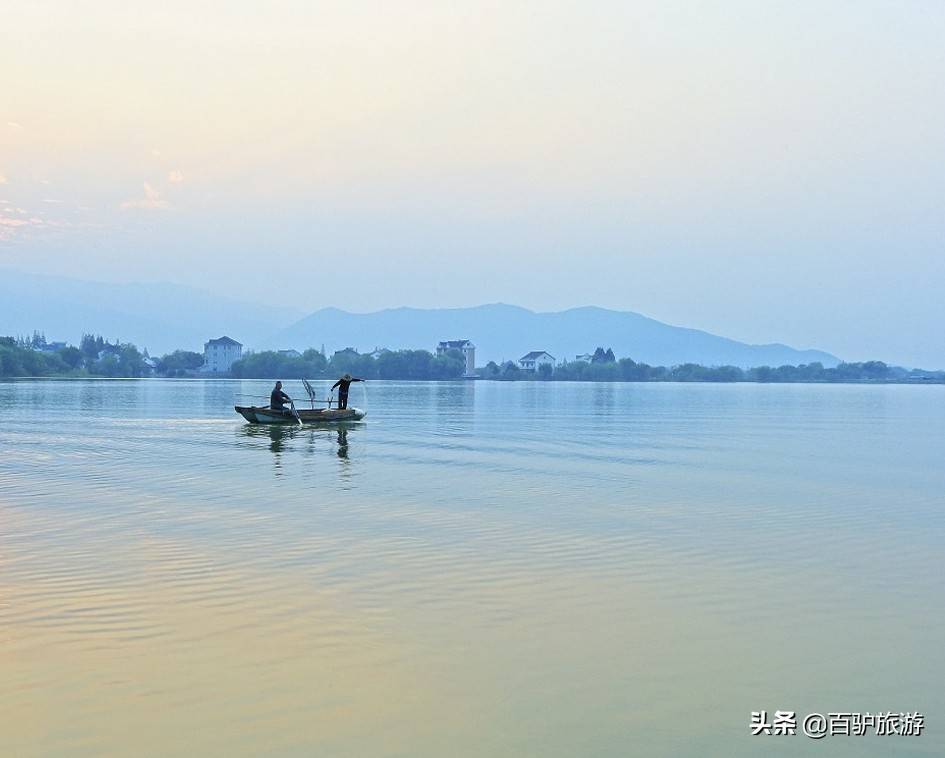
[278, 398]
[343, 385]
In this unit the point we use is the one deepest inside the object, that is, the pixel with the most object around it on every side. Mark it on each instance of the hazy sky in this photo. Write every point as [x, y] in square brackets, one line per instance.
[770, 171]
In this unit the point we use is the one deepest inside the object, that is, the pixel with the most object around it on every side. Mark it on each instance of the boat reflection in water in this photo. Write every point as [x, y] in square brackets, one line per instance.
[285, 442]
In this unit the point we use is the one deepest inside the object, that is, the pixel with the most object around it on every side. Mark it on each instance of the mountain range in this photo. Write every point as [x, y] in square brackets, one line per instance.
[506, 332]
[161, 317]
[164, 317]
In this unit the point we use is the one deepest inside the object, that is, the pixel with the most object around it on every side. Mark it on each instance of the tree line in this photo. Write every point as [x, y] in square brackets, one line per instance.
[605, 367]
[96, 356]
[393, 364]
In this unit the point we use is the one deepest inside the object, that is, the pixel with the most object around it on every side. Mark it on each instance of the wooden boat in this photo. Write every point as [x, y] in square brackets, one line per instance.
[265, 415]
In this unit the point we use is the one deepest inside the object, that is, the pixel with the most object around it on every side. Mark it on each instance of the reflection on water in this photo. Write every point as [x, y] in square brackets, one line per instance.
[343, 443]
[479, 568]
[309, 440]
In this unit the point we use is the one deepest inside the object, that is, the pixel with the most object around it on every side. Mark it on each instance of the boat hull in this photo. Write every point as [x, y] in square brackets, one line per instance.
[256, 415]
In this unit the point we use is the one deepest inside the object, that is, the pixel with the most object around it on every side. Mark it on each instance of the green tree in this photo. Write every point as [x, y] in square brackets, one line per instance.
[414, 364]
[10, 363]
[316, 360]
[571, 372]
[601, 372]
[109, 365]
[350, 361]
[631, 371]
[179, 363]
[91, 346]
[874, 370]
[762, 374]
[72, 357]
[269, 364]
[603, 356]
[449, 366]
[510, 371]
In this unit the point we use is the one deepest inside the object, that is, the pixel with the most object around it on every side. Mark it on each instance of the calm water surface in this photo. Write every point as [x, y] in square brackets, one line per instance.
[477, 569]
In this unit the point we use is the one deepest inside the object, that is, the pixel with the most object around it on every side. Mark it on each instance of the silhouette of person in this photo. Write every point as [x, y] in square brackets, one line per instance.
[343, 385]
[278, 398]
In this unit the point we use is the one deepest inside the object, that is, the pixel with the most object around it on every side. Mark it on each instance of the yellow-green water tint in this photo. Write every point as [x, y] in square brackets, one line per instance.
[479, 569]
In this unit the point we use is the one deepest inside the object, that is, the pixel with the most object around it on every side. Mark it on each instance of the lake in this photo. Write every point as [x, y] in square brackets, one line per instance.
[476, 569]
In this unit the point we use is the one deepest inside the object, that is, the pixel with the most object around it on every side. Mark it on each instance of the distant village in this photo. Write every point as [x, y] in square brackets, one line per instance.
[224, 357]
[222, 353]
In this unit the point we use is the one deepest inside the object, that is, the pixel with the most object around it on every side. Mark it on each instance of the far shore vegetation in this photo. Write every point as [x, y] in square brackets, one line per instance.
[97, 357]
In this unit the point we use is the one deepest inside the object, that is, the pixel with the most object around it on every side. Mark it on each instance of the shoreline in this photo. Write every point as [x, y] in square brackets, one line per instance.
[879, 382]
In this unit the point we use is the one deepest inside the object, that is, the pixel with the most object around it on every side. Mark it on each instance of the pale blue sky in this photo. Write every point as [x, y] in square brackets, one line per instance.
[767, 171]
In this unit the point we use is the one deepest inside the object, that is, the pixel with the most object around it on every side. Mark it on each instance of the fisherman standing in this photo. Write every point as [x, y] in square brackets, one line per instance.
[278, 398]
[343, 385]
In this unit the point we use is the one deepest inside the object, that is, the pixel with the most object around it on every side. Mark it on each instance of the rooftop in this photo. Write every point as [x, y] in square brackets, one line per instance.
[224, 341]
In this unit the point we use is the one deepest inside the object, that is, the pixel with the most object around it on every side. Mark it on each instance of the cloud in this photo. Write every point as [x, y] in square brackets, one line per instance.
[11, 227]
[175, 177]
[152, 200]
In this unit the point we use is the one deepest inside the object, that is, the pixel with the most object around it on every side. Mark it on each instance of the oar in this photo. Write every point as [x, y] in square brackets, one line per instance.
[295, 412]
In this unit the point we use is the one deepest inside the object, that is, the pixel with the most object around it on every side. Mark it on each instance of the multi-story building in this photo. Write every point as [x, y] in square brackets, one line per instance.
[219, 355]
[467, 348]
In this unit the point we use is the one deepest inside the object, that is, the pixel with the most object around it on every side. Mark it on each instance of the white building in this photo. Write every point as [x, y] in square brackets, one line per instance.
[52, 347]
[219, 355]
[534, 359]
[585, 358]
[467, 348]
[290, 353]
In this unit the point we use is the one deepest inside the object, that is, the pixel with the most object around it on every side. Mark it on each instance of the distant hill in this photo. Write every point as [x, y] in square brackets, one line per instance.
[506, 332]
[160, 317]
[163, 317]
